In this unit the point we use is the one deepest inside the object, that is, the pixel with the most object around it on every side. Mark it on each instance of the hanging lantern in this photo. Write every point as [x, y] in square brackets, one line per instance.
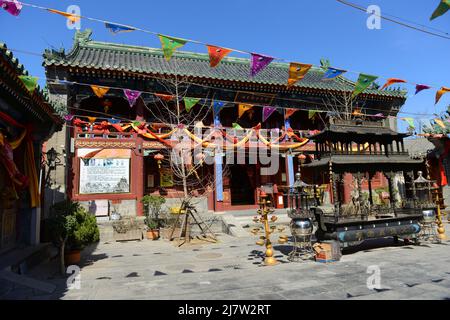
[159, 158]
[302, 158]
[107, 104]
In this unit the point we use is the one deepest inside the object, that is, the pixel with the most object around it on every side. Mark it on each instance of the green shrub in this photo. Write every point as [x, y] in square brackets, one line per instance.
[72, 227]
[153, 208]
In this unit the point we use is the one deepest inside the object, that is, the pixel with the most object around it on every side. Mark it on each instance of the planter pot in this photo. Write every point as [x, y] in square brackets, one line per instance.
[72, 257]
[153, 234]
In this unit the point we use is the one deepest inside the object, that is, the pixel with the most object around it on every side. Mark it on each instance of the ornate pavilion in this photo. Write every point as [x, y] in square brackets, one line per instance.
[129, 141]
[27, 120]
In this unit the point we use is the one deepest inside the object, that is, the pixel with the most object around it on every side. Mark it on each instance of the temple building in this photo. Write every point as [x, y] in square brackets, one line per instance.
[119, 142]
[27, 120]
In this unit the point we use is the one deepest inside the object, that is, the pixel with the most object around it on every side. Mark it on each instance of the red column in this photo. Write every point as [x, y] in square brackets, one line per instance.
[137, 175]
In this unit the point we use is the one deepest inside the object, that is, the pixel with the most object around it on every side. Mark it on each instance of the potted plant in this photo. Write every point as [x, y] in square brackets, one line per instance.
[72, 229]
[153, 208]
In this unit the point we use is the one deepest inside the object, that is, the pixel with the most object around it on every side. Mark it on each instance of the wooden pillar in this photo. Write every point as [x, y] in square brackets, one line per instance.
[413, 187]
[391, 176]
[358, 176]
[370, 189]
[137, 176]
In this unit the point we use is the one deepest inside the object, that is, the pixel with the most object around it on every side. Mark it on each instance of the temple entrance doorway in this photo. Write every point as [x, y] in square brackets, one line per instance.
[242, 184]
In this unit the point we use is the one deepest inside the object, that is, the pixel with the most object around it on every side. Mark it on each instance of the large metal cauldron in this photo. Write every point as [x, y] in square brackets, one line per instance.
[429, 216]
[301, 227]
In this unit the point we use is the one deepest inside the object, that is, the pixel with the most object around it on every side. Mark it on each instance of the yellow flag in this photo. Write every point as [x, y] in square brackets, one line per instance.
[243, 108]
[440, 93]
[100, 91]
[92, 119]
[440, 123]
[72, 17]
[297, 72]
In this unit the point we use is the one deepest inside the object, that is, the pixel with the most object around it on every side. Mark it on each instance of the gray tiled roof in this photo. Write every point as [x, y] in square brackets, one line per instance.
[117, 57]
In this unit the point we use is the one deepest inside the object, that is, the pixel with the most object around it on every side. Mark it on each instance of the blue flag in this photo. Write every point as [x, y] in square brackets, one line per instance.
[332, 73]
[217, 106]
[115, 28]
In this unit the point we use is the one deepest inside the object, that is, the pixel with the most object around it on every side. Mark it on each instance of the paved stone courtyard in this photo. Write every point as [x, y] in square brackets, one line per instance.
[232, 270]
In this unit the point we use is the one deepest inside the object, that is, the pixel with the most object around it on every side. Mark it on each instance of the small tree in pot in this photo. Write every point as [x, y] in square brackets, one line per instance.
[72, 228]
[153, 208]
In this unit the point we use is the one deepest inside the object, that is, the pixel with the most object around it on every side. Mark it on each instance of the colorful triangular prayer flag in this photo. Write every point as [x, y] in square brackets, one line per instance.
[391, 81]
[243, 108]
[99, 91]
[440, 93]
[258, 63]
[297, 72]
[421, 87]
[237, 126]
[289, 112]
[170, 44]
[332, 73]
[217, 106]
[440, 123]
[312, 113]
[267, 112]
[410, 121]
[443, 7]
[216, 54]
[164, 97]
[69, 117]
[14, 7]
[189, 103]
[92, 119]
[132, 96]
[364, 81]
[29, 82]
[72, 17]
[117, 28]
[113, 121]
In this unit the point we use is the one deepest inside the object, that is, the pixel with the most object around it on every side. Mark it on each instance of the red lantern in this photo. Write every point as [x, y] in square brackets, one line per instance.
[302, 157]
[159, 158]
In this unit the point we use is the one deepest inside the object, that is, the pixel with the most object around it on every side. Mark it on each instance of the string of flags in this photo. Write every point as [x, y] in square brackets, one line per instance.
[258, 62]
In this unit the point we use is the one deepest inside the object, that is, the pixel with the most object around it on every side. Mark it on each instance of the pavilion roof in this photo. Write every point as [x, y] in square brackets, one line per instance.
[37, 102]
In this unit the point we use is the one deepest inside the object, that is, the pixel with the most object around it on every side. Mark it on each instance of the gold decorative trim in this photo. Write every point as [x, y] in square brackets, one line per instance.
[103, 144]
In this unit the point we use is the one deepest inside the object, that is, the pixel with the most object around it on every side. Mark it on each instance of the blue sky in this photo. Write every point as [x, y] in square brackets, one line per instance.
[302, 31]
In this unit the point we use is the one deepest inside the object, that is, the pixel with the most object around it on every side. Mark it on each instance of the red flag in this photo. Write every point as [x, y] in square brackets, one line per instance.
[164, 97]
[391, 81]
[289, 112]
[216, 54]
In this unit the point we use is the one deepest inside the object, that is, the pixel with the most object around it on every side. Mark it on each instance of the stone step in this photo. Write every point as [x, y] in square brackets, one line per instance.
[20, 260]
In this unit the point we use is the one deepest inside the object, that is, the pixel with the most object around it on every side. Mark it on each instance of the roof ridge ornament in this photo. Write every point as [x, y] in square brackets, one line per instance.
[82, 37]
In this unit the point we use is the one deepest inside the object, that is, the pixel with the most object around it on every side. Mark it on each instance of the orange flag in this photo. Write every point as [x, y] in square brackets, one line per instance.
[289, 113]
[243, 108]
[72, 17]
[100, 91]
[391, 81]
[216, 54]
[297, 72]
[440, 93]
[92, 119]
[164, 97]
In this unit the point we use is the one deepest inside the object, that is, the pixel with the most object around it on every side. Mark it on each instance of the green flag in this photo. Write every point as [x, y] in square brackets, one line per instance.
[29, 82]
[312, 113]
[189, 103]
[237, 126]
[441, 9]
[410, 121]
[169, 45]
[364, 81]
